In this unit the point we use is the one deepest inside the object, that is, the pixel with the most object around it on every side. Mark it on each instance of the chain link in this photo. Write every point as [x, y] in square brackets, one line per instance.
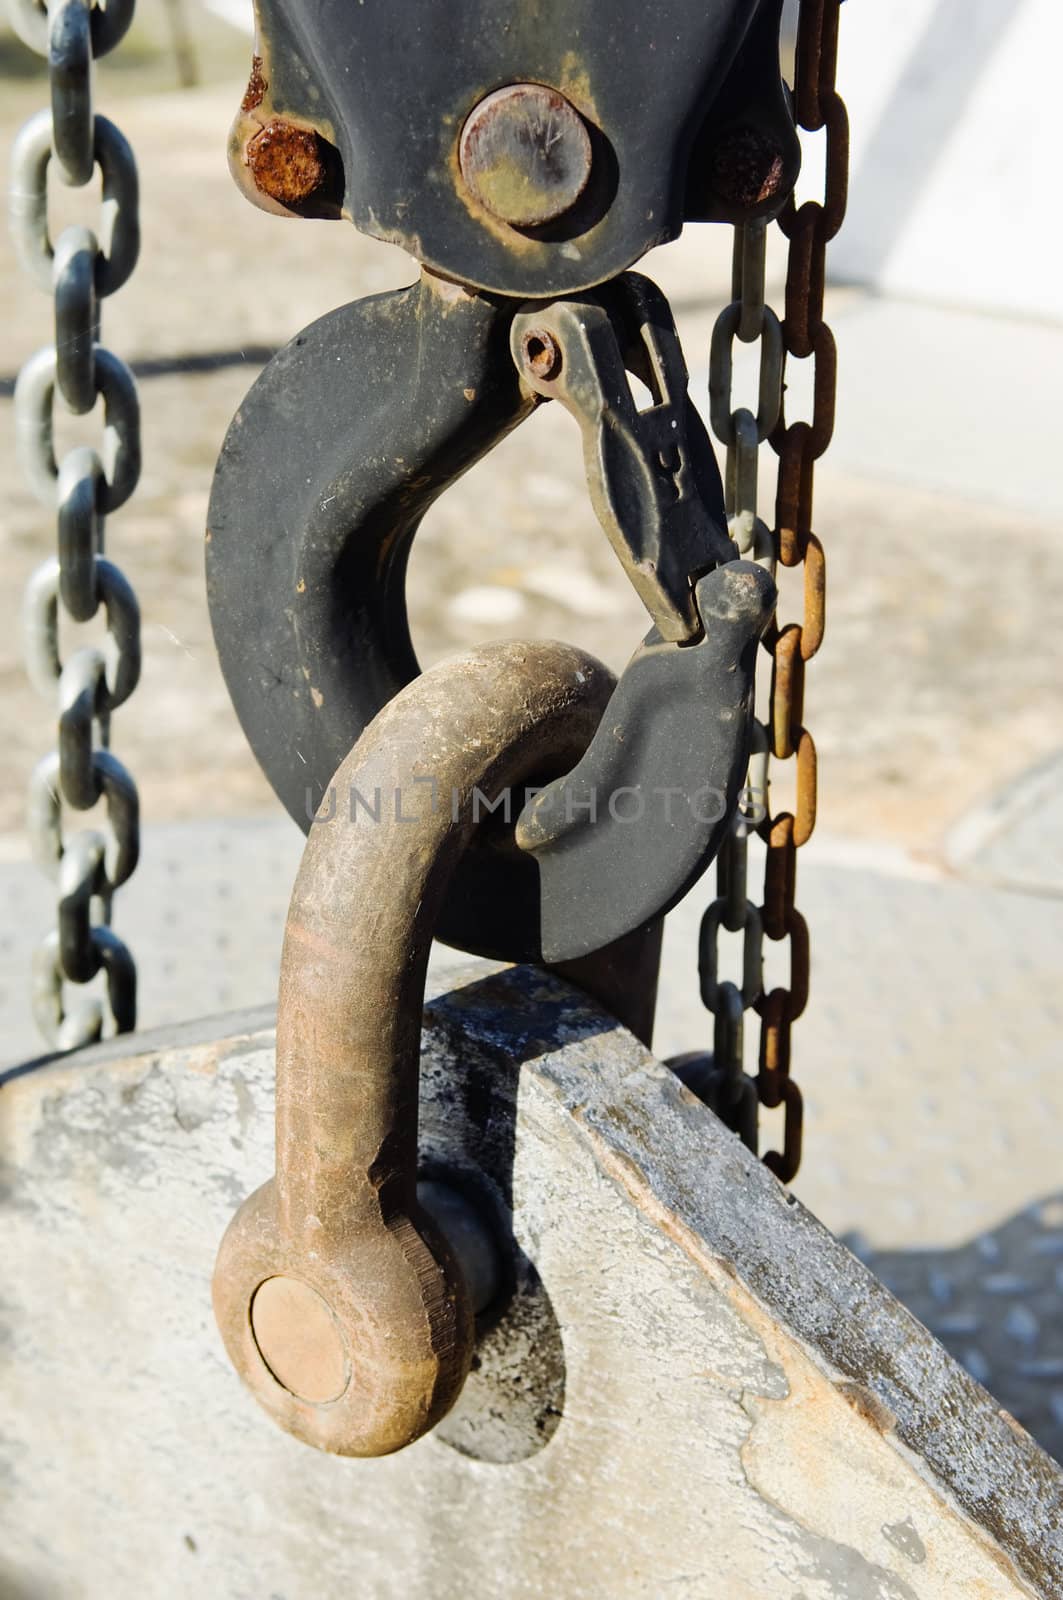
[108, 25]
[79, 269]
[802, 334]
[798, 445]
[749, 320]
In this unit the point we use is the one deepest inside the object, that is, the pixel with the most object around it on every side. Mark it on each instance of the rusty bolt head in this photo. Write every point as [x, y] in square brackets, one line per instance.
[541, 354]
[748, 168]
[287, 162]
[525, 153]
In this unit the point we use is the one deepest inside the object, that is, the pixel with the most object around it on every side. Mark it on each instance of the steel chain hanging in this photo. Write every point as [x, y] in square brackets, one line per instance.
[748, 319]
[802, 334]
[80, 269]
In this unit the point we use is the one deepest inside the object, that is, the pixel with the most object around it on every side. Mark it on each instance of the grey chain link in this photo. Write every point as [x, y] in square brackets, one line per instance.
[730, 1090]
[79, 269]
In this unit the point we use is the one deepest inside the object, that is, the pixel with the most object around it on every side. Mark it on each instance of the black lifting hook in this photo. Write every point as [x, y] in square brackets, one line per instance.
[355, 428]
[306, 573]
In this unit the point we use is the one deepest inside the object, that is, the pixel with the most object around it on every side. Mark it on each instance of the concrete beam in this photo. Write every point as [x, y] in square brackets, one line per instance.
[696, 1389]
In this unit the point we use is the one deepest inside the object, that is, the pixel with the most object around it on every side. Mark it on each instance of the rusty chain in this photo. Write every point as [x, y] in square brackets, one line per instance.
[79, 270]
[803, 334]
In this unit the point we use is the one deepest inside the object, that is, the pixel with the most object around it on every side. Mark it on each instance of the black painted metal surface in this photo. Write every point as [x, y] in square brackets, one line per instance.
[647, 808]
[616, 124]
[388, 86]
[306, 576]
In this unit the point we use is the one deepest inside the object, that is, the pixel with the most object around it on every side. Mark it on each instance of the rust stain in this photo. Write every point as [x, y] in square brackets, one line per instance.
[203, 1060]
[256, 86]
[575, 84]
[867, 1404]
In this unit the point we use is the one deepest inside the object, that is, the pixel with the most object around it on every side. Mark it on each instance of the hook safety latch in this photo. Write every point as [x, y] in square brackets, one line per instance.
[651, 472]
[646, 809]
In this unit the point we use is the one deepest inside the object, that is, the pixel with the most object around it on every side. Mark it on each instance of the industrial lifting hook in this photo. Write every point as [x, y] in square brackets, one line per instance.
[306, 573]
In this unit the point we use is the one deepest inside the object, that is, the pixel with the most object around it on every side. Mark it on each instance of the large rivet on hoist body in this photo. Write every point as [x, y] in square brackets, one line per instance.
[526, 154]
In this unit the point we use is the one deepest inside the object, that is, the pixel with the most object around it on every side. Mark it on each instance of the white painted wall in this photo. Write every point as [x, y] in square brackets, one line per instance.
[956, 151]
[237, 13]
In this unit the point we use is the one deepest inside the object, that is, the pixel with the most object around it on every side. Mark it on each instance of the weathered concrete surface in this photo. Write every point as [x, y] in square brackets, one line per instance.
[699, 1391]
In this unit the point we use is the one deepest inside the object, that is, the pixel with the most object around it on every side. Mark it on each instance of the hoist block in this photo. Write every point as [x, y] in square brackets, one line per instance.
[528, 150]
[686, 1387]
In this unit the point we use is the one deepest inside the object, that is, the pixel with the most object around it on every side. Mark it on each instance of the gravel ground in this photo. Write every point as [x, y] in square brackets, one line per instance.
[934, 686]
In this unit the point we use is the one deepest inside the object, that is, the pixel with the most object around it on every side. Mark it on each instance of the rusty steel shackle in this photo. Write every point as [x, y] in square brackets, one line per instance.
[339, 1299]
